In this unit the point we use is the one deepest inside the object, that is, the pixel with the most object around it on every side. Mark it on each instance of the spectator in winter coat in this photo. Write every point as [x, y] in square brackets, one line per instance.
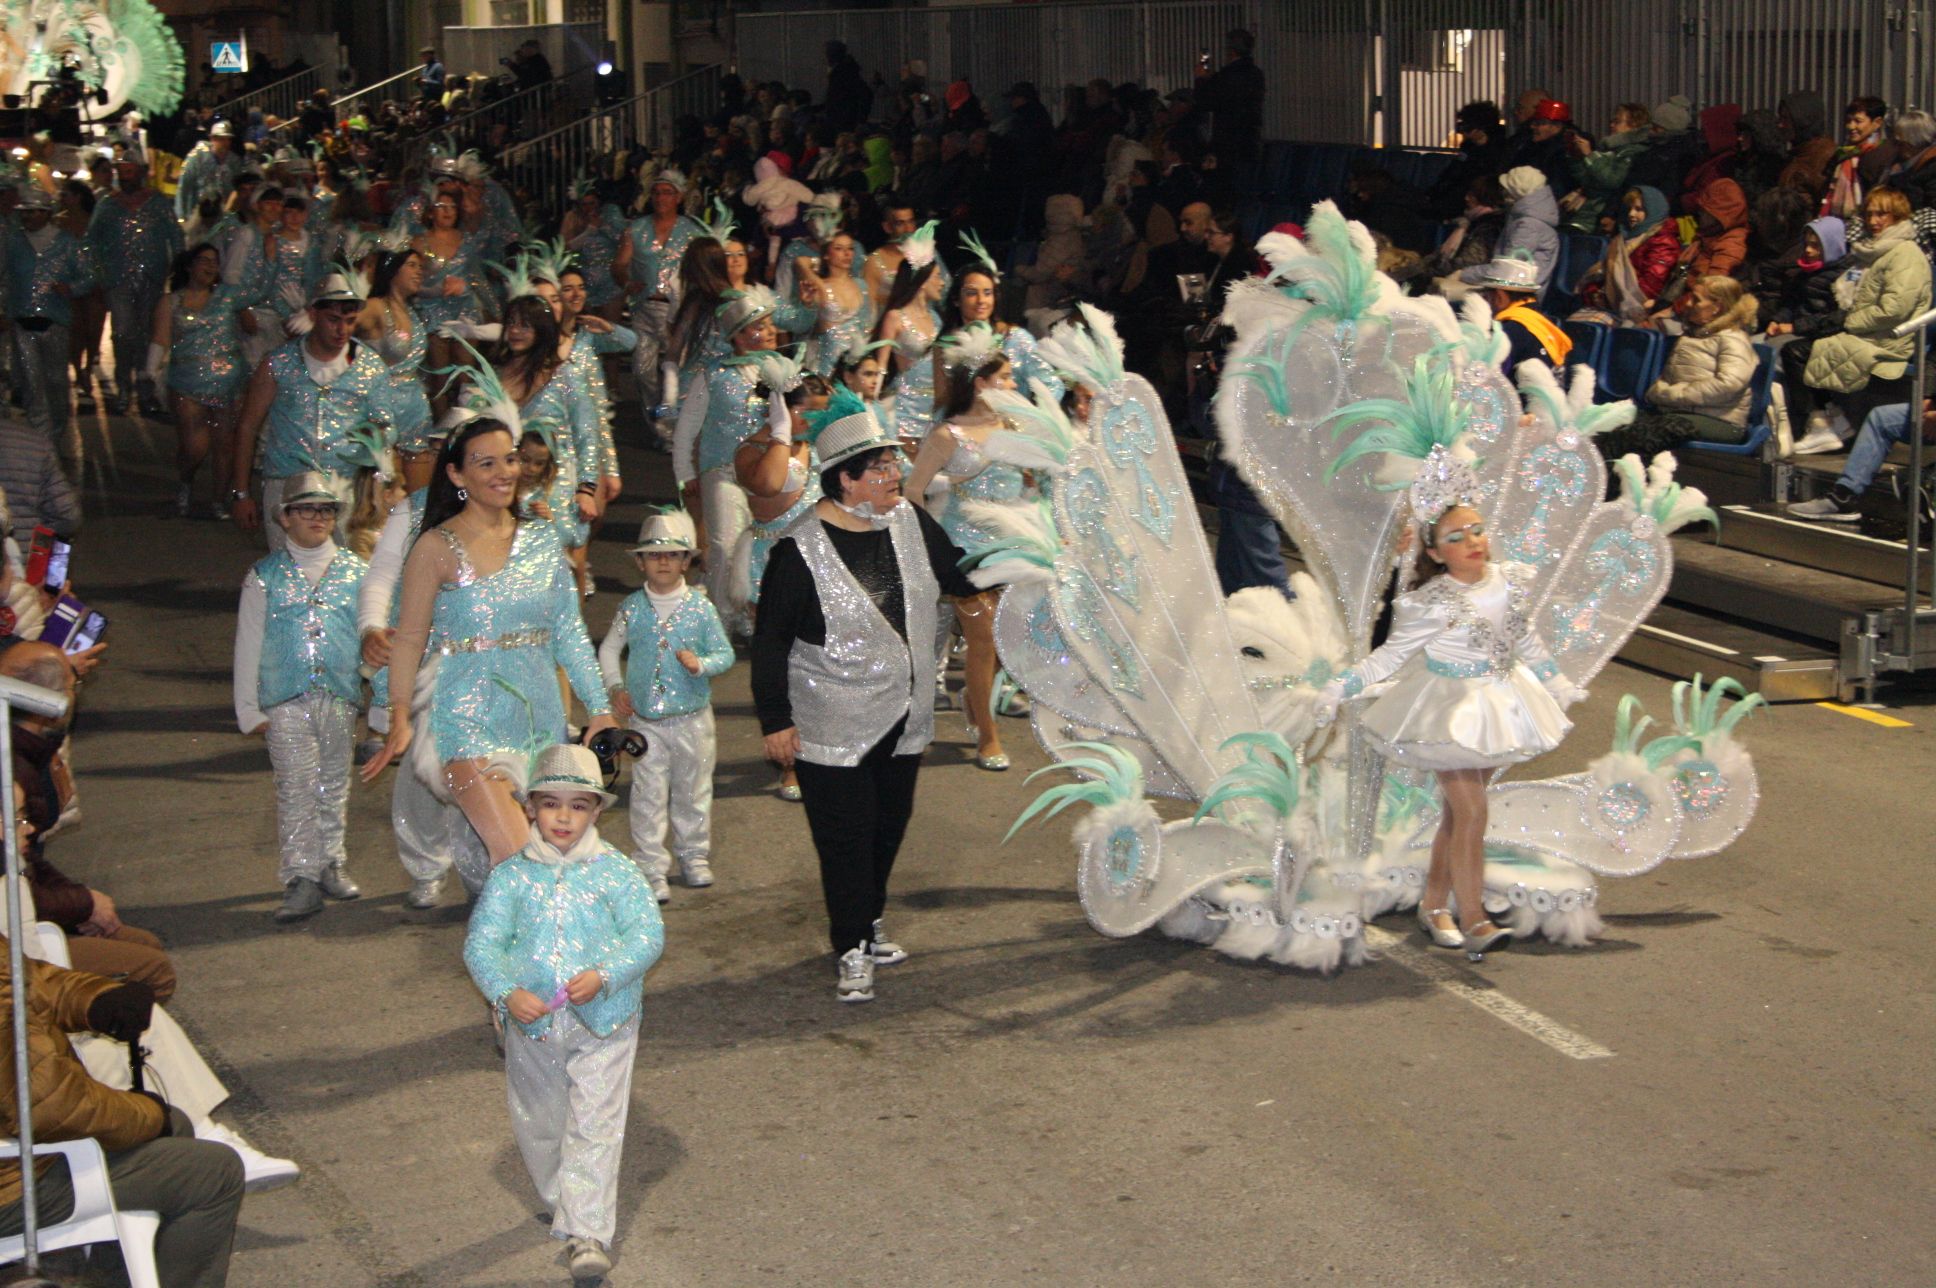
[36, 492]
[1721, 239]
[1623, 288]
[1707, 384]
[1474, 235]
[1760, 156]
[1775, 230]
[848, 98]
[1532, 225]
[1718, 133]
[1059, 272]
[1599, 174]
[1673, 150]
[1233, 96]
[1544, 146]
[1803, 123]
[1914, 173]
[1863, 159]
[1802, 303]
[1483, 151]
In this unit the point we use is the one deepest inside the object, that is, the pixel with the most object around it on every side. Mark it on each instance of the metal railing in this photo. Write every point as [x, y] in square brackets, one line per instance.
[532, 111]
[541, 170]
[361, 100]
[694, 94]
[568, 46]
[1390, 72]
[282, 98]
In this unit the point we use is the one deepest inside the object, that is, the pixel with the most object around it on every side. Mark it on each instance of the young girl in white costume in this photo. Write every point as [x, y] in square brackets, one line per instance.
[1463, 685]
[560, 941]
[297, 682]
[676, 644]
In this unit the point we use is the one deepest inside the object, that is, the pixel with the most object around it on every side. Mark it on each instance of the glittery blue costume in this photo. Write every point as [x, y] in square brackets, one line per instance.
[913, 389]
[132, 250]
[513, 628]
[410, 418]
[972, 474]
[596, 248]
[734, 413]
[467, 265]
[655, 266]
[844, 331]
[1032, 371]
[205, 356]
[204, 174]
[308, 425]
[565, 407]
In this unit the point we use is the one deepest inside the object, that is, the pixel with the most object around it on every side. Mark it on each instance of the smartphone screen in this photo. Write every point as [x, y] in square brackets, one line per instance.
[57, 560]
[87, 636]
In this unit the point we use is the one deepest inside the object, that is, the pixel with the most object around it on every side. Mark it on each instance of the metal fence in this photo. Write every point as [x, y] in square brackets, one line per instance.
[542, 169]
[529, 113]
[283, 98]
[569, 47]
[694, 94]
[1388, 72]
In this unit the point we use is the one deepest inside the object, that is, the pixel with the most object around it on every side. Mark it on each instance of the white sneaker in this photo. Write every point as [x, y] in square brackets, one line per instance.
[883, 950]
[1817, 441]
[661, 888]
[336, 884]
[588, 1259]
[259, 1171]
[855, 982]
[696, 873]
[426, 893]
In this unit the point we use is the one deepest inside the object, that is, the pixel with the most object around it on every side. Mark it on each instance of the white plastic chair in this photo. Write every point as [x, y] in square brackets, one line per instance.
[94, 1219]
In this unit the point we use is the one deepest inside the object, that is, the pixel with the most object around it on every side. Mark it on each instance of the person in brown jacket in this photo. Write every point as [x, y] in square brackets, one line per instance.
[155, 1164]
[1721, 241]
[1802, 119]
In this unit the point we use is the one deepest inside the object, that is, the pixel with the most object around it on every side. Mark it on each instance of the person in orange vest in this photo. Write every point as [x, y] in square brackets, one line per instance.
[1511, 286]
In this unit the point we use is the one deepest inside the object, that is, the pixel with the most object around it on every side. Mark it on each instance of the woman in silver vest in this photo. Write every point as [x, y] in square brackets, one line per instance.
[843, 668]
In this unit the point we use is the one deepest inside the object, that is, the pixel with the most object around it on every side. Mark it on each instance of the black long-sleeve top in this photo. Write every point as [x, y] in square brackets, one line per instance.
[789, 607]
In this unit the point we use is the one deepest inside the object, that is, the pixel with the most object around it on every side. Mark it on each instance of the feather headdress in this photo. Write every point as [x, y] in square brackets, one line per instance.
[471, 167]
[973, 245]
[858, 351]
[843, 403]
[968, 348]
[918, 246]
[369, 448]
[717, 223]
[1087, 350]
[519, 279]
[548, 261]
[583, 186]
[778, 372]
[483, 397]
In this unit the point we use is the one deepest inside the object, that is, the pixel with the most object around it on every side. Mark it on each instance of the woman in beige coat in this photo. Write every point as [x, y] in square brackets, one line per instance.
[1707, 383]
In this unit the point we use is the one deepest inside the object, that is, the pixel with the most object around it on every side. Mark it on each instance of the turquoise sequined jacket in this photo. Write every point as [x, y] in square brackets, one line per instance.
[659, 684]
[537, 924]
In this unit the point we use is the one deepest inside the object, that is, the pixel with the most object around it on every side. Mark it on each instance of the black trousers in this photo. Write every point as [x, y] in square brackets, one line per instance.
[858, 817]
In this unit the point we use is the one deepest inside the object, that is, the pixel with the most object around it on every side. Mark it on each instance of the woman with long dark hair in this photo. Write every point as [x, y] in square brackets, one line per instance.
[488, 613]
[90, 310]
[527, 362]
[972, 303]
[694, 349]
[196, 339]
[910, 322]
[390, 325]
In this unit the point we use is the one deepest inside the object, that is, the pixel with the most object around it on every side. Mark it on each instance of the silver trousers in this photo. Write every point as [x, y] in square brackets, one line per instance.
[673, 783]
[424, 826]
[727, 515]
[310, 745]
[131, 315]
[650, 318]
[40, 365]
[569, 1094]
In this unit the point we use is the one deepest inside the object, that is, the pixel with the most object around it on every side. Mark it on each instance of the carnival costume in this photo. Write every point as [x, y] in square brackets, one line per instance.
[747, 564]
[545, 916]
[1145, 680]
[672, 783]
[654, 288]
[205, 351]
[466, 265]
[913, 385]
[44, 271]
[133, 248]
[1032, 370]
[736, 409]
[206, 174]
[296, 671]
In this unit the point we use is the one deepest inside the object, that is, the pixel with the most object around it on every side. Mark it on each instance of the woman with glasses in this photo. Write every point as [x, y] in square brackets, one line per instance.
[843, 657]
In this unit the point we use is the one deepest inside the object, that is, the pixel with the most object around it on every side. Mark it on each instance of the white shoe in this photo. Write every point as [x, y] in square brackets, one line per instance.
[1817, 441]
[661, 888]
[336, 884]
[696, 873]
[259, 1171]
[855, 982]
[588, 1259]
[883, 950]
[426, 893]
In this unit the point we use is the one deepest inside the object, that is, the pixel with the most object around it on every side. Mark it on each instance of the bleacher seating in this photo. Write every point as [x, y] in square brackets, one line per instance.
[1589, 343]
[1632, 363]
[1579, 252]
[1759, 427]
[1293, 177]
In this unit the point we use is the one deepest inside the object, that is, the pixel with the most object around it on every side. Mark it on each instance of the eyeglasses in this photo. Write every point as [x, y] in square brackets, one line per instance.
[887, 469]
[322, 511]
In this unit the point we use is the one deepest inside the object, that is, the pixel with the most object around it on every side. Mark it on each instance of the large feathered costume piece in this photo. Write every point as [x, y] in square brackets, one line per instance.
[1147, 682]
[121, 49]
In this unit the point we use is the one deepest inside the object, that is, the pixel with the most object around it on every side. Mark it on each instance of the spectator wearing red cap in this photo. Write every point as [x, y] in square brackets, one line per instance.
[1543, 146]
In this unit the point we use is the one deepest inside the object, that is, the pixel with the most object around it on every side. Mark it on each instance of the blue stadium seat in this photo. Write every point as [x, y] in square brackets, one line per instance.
[1589, 343]
[1631, 364]
[1759, 427]
[1579, 252]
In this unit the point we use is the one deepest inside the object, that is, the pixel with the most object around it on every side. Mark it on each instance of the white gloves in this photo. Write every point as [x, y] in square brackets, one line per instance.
[1324, 707]
[779, 421]
[156, 364]
[1564, 691]
[459, 329]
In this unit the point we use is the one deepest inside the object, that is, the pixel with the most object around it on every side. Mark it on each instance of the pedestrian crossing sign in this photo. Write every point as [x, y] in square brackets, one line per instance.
[229, 56]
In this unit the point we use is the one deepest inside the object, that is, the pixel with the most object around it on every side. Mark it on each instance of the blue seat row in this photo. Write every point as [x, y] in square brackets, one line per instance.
[1628, 360]
[1293, 177]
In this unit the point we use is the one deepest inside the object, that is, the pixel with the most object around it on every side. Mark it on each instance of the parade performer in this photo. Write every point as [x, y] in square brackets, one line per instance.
[134, 239]
[839, 300]
[487, 615]
[735, 409]
[843, 657]
[208, 172]
[254, 259]
[390, 324]
[307, 398]
[976, 293]
[560, 943]
[593, 229]
[1475, 701]
[672, 644]
[694, 349]
[823, 217]
[587, 338]
[44, 269]
[196, 340]
[648, 265]
[453, 271]
[911, 320]
[296, 681]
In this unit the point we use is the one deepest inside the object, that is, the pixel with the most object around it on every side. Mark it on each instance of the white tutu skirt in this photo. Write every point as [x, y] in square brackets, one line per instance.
[1431, 721]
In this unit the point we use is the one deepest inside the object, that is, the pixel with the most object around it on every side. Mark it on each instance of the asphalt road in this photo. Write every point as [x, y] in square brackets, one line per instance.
[1028, 1102]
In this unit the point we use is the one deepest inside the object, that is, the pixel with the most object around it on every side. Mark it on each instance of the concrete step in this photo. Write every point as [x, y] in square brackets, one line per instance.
[1681, 643]
[1846, 550]
[1782, 597]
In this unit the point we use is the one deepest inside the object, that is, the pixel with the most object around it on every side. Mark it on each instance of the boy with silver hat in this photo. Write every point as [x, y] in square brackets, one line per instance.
[42, 269]
[306, 397]
[560, 942]
[1511, 286]
[843, 665]
[297, 681]
[673, 644]
[209, 171]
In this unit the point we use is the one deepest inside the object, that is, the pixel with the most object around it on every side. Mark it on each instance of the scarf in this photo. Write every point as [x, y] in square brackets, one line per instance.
[539, 850]
[1623, 284]
[866, 513]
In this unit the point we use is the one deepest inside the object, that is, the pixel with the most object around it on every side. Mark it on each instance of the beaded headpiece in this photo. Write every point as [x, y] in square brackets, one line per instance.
[918, 246]
[1443, 481]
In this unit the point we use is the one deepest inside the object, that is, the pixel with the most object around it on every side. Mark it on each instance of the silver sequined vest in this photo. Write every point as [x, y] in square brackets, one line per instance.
[848, 693]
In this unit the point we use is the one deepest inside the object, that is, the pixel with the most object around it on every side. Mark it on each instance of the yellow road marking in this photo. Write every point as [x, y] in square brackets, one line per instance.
[1873, 717]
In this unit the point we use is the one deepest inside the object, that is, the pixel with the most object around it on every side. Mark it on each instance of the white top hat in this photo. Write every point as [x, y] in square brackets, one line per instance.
[667, 531]
[740, 309]
[1514, 272]
[334, 289]
[568, 767]
[847, 428]
[307, 487]
[222, 130]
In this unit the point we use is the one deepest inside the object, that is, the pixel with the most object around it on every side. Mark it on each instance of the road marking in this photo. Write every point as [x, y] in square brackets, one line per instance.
[1873, 717]
[1495, 1003]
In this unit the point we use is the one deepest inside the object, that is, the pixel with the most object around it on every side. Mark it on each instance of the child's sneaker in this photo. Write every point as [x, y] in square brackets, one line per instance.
[336, 884]
[302, 898]
[855, 982]
[661, 888]
[696, 872]
[883, 950]
[588, 1259]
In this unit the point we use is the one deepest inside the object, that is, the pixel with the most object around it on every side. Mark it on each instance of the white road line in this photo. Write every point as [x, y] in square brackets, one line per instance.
[1443, 975]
